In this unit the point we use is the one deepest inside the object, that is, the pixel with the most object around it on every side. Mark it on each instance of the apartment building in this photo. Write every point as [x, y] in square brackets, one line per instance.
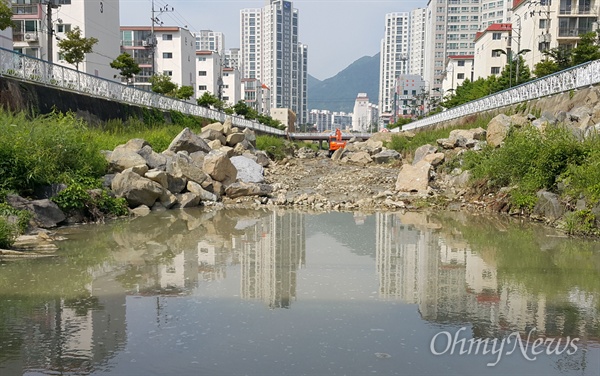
[34, 36]
[452, 28]
[322, 120]
[546, 24]
[410, 95]
[417, 33]
[208, 73]
[458, 69]
[208, 40]
[495, 12]
[166, 50]
[341, 120]
[231, 59]
[271, 53]
[232, 86]
[491, 47]
[394, 60]
[365, 115]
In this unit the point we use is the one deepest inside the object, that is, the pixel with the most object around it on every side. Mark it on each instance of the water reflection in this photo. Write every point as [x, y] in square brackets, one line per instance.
[79, 312]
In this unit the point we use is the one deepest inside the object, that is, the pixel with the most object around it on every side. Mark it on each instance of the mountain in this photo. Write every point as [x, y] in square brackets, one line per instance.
[338, 93]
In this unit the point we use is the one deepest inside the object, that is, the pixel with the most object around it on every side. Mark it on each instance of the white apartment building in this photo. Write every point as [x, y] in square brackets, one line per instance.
[341, 120]
[322, 120]
[252, 90]
[231, 58]
[452, 28]
[208, 73]
[173, 48]
[488, 58]
[365, 115]
[495, 12]
[271, 53]
[208, 40]
[417, 41]
[410, 94]
[546, 24]
[32, 35]
[232, 86]
[394, 59]
[458, 68]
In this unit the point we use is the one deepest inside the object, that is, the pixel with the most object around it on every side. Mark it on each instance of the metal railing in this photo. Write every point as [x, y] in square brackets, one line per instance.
[28, 68]
[573, 78]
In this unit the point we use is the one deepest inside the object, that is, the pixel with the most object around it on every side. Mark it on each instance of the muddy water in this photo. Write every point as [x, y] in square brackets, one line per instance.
[289, 293]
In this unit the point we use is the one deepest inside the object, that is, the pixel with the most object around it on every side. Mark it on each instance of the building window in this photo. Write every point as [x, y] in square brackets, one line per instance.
[168, 73]
[63, 28]
[461, 63]
[460, 76]
[201, 59]
[201, 73]
[496, 53]
[496, 36]
[167, 55]
[495, 70]
[167, 37]
[202, 87]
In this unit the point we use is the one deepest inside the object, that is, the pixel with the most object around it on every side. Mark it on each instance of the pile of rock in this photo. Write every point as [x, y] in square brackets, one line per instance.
[194, 170]
[366, 152]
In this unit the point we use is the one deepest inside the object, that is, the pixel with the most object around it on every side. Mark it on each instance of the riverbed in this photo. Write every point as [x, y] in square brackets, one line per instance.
[260, 292]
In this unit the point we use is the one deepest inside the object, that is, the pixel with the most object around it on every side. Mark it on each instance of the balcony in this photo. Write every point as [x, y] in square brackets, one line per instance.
[26, 11]
[27, 37]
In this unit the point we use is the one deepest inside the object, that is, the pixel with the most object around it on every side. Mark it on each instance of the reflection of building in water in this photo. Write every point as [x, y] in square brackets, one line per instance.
[452, 283]
[271, 253]
[71, 336]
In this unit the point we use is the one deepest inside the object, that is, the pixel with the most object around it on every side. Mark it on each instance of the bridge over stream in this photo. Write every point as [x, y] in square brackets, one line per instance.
[29, 69]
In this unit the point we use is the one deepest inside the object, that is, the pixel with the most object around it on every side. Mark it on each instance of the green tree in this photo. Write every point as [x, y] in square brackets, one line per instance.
[162, 84]
[5, 16]
[126, 65]
[74, 47]
[557, 59]
[209, 100]
[587, 49]
[184, 92]
[242, 109]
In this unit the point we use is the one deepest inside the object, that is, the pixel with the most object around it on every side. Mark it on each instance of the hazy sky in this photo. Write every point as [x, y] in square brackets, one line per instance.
[337, 32]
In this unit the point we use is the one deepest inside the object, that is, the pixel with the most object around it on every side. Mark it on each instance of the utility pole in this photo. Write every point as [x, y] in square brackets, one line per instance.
[49, 6]
[154, 20]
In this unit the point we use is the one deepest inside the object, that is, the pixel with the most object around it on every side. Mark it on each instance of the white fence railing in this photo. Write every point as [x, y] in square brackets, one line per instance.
[580, 76]
[31, 69]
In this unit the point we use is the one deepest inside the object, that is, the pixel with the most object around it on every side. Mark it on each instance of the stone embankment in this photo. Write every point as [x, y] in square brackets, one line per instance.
[221, 167]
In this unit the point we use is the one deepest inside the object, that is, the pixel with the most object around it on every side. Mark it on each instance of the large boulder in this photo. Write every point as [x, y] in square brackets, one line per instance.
[202, 193]
[184, 166]
[214, 126]
[386, 156]
[549, 206]
[497, 130]
[153, 159]
[46, 214]
[248, 170]
[240, 189]
[360, 157]
[135, 189]
[422, 151]
[219, 167]
[188, 141]
[414, 178]
[250, 136]
[235, 138]
[124, 157]
[213, 135]
[186, 200]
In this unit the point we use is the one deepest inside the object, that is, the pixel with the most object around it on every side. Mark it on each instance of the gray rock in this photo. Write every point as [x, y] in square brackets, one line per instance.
[414, 178]
[186, 200]
[250, 136]
[360, 157]
[135, 189]
[188, 141]
[386, 156]
[123, 158]
[219, 167]
[158, 176]
[213, 135]
[184, 166]
[240, 189]
[214, 126]
[305, 153]
[422, 151]
[497, 130]
[235, 138]
[46, 214]
[176, 184]
[248, 170]
[153, 159]
[141, 211]
[203, 194]
[549, 206]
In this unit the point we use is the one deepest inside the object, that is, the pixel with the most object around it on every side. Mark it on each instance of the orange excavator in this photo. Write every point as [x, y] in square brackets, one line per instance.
[335, 142]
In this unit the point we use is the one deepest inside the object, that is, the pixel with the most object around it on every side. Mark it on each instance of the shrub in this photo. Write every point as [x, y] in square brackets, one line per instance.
[275, 147]
[8, 233]
[94, 203]
[581, 222]
[23, 216]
